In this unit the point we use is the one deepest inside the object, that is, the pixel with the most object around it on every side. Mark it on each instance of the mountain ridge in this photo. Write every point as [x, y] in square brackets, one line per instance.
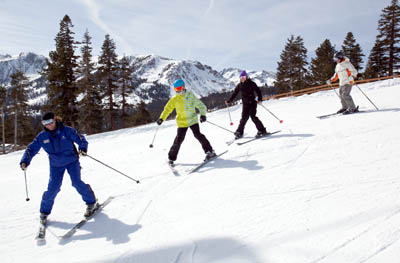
[152, 76]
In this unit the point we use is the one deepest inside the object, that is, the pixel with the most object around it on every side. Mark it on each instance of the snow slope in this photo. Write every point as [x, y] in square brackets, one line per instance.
[319, 191]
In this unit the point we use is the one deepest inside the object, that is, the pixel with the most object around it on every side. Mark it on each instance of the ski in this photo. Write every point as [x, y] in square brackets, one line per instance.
[234, 140]
[173, 170]
[72, 231]
[205, 162]
[41, 235]
[230, 142]
[335, 114]
[327, 115]
[256, 138]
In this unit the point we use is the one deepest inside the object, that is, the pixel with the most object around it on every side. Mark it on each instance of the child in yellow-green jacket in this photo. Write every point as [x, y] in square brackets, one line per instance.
[185, 104]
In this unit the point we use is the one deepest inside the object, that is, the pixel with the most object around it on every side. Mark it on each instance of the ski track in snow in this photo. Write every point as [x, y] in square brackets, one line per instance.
[364, 232]
[386, 245]
[321, 191]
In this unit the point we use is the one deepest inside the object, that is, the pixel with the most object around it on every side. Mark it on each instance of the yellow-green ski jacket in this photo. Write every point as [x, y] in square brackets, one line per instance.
[185, 105]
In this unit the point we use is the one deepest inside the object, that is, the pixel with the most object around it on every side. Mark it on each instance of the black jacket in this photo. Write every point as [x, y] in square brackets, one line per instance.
[249, 90]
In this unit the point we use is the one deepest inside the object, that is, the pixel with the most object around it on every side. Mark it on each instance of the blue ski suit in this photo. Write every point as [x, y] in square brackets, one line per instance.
[59, 145]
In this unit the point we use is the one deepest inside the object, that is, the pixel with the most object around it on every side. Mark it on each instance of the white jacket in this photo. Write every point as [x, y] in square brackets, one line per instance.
[345, 72]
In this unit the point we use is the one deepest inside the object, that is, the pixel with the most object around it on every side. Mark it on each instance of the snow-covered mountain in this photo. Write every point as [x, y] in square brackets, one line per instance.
[29, 63]
[260, 77]
[152, 76]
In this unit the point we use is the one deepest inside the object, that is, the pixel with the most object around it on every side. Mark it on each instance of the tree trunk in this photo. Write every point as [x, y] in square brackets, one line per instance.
[3, 131]
[110, 94]
[15, 130]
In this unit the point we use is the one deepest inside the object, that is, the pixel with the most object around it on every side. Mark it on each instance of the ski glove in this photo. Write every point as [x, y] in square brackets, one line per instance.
[82, 152]
[203, 118]
[24, 166]
[227, 102]
[159, 121]
[328, 82]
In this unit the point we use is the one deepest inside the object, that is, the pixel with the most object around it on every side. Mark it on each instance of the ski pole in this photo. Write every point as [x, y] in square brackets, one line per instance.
[137, 181]
[26, 188]
[336, 93]
[367, 97]
[151, 144]
[220, 127]
[334, 89]
[229, 112]
[271, 113]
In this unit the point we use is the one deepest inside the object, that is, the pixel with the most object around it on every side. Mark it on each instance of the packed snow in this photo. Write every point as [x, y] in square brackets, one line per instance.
[318, 191]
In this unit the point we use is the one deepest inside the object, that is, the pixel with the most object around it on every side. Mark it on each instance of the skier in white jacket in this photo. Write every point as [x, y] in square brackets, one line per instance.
[346, 73]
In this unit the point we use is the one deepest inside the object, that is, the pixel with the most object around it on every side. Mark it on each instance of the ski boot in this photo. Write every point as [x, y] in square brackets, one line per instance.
[210, 155]
[350, 111]
[43, 218]
[238, 135]
[261, 133]
[341, 111]
[171, 163]
[90, 209]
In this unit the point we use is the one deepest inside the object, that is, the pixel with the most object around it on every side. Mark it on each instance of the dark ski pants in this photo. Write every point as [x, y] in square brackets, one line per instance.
[55, 181]
[250, 111]
[345, 98]
[181, 133]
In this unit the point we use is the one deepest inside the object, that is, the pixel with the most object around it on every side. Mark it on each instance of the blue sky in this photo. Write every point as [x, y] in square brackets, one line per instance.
[220, 33]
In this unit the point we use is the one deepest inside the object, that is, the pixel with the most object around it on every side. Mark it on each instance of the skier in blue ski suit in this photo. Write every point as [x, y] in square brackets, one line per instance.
[58, 140]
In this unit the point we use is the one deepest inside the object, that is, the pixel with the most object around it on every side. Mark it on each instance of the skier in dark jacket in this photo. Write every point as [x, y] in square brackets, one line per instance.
[249, 90]
[58, 141]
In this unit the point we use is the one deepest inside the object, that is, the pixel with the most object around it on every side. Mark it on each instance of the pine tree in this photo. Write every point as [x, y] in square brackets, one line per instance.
[3, 94]
[90, 117]
[108, 71]
[125, 82]
[19, 106]
[389, 35]
[323, 65]
[353, 51]
[142, 115]
[60, 73]
[292, 72]
[377, 65]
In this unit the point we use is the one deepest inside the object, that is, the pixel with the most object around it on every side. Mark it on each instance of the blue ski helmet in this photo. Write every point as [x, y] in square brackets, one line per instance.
[179, 83]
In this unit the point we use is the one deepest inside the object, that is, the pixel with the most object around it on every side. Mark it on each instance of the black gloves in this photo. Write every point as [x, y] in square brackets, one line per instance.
[24, 166]
[159, 121]
[83, 152]
[203, 118]
[227, 102]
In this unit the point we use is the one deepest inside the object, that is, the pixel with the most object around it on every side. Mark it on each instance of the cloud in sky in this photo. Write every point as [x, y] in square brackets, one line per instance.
[219, 33]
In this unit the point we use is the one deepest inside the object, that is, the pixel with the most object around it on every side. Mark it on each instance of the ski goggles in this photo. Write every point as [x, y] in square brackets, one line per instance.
[47, 122]
[179, 89]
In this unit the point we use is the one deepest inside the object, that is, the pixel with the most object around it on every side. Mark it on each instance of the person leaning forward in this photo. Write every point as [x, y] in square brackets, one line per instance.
[249, 90]
[346, 73]
[185, 103]
[58, 141]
